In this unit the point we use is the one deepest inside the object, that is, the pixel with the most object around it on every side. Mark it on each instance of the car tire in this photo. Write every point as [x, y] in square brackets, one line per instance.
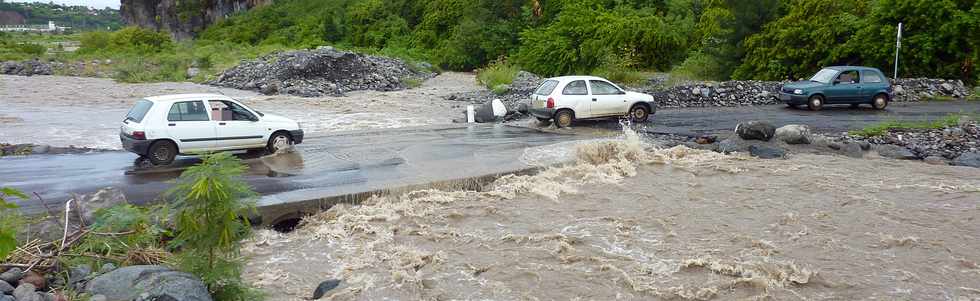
[880, 102]
[278, 141]
[639, 114]
[815, 103]
[564, 118]
[162, 153]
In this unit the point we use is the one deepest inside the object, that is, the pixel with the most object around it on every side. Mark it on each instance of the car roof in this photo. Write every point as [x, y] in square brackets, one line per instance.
[840, 68]
[576, 77]
[178, 97]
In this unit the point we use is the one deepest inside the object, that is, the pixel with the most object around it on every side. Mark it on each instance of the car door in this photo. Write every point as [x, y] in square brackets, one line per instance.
[188, 123]
[575, 95]
[846, 88]
[236, 126]
[871, 82]
[607, 99]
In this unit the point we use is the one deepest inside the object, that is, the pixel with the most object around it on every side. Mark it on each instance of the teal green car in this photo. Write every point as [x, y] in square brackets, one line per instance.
[853, 85]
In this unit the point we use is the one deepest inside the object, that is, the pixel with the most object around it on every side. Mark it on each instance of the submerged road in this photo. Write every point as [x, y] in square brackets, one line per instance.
[365, 161]
[322, 166]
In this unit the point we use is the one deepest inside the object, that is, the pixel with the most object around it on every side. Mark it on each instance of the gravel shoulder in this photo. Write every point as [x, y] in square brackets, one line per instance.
[85, 112]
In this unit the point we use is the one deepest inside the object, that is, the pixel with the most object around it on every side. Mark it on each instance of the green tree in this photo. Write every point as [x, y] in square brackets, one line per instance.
[210, 200]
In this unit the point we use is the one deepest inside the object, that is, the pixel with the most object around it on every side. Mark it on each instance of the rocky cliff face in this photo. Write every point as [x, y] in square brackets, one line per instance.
[182, 18]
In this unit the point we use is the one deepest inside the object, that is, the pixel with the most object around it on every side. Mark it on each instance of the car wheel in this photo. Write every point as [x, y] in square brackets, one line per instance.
[815, 103]
[639, 114]
[162, 153]
[880, 102]
[279, 141]
[564, 118]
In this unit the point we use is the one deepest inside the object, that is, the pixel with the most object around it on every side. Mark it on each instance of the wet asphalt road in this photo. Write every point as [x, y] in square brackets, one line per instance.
[363, 161]
[327, 165]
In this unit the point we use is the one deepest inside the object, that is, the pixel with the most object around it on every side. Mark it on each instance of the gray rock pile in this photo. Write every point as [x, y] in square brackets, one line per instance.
[708, 94]
[26, 68]
[519, 91]
[314, 73]
[955, 144]
[918, 89]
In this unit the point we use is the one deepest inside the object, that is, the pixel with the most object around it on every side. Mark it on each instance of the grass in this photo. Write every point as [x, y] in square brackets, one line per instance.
[496, 74]
[883, 128]
[411, 82]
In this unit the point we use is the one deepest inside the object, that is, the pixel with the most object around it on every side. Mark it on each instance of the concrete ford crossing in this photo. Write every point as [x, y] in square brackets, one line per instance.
[854, 85]
[161, 127]
[568, 98]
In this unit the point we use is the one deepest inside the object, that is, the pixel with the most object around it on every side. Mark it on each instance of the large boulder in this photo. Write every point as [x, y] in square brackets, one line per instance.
[5, 288]
[91, 203]
[971, 159]
[148, 282]
[755, 130]
[27, 292]
[895, 152]
[793, 134]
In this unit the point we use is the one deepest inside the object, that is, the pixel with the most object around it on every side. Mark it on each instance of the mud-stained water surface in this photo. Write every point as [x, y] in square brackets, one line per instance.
[629, 221]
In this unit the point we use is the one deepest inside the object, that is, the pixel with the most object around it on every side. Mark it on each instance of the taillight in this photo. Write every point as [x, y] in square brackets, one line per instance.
[139, 135]
[551, 103]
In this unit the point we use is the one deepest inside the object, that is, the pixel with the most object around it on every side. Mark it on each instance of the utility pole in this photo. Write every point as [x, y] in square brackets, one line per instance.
[898, 46]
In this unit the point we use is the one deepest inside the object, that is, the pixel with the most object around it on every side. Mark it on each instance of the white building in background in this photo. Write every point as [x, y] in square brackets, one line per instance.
[51, 27]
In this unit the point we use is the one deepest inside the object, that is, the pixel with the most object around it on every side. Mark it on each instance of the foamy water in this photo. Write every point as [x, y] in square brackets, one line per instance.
[627, 221]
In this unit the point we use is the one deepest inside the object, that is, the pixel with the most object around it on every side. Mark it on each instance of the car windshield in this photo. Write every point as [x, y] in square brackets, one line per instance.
[547, 87]
[824, 76]
[139, 110]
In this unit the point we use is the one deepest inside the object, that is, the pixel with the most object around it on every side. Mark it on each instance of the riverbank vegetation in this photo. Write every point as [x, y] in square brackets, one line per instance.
[699, 39]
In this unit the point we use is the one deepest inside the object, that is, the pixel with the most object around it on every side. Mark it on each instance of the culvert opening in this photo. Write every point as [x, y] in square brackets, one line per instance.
[286, 225]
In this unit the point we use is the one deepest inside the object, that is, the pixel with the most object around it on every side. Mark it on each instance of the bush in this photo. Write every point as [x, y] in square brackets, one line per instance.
[619, 70]
[126, 235]
[139, 40]
[93, 41]
[10, 221]
[210, 200]
[496, 74]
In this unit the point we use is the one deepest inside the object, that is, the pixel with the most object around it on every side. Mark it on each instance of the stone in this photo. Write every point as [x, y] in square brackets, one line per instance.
[325, 287]
[192, 72]
[156, 282]
[755, 130]
[6, 298]
[26, 292]
[12, 275]
[79, 273]
[108, 267]
[895, 152]
[35, 279]
[793, 134]
[5, 288]
[89, 204]
[728, 146]
[765, 152]
[971, 159]
[935, 160]
[40, 149]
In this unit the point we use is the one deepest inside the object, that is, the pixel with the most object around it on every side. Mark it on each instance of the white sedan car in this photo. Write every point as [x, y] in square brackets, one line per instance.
[568, 98]
[161, 127]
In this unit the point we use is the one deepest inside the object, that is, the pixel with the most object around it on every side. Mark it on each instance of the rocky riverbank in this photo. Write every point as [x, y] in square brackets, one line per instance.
[322, 72]
[40, 149]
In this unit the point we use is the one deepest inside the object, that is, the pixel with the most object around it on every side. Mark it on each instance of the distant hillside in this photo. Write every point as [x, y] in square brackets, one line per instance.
[76, 17]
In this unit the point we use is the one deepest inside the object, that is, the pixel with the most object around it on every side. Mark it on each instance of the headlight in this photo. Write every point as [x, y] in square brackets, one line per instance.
[798, 91]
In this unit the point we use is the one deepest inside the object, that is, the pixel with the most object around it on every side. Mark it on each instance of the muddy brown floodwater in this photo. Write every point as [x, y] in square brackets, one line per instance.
[629, 221]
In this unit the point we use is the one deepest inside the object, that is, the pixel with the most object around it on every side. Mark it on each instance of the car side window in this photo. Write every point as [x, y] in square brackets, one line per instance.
[223, 110]
[848, 77]
[575, 88]
[870, 77]
[188, 111]
[603, 88]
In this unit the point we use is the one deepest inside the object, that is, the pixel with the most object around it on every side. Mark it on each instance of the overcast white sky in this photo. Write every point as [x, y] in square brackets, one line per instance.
[90, 3]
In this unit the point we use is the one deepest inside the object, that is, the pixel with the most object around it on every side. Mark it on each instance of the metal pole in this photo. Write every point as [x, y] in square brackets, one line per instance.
[898, 46]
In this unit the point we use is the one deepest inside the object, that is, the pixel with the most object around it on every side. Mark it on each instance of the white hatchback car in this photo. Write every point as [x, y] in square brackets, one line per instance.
[161, 127]
[568, 98]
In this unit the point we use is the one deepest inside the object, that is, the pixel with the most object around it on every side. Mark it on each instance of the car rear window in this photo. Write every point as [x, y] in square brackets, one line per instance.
[546, 87]
[139, 110]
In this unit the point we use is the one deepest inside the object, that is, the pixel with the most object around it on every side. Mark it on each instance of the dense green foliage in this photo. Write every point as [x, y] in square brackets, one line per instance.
[711, 39]
[210, 199]
[10, 221]
[76, 17]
